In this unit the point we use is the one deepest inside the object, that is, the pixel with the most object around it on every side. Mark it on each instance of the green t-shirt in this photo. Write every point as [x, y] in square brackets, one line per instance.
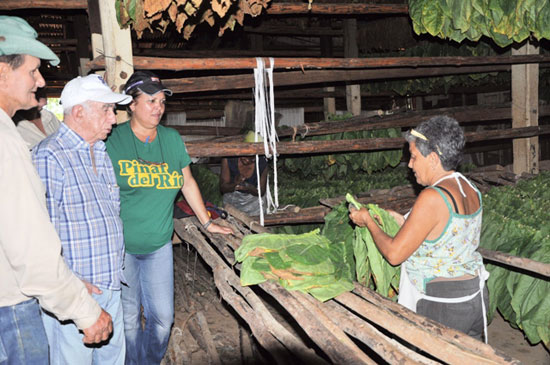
[147, 187]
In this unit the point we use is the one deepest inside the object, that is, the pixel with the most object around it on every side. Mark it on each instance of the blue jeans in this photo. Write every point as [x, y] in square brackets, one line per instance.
[22, 336]
[150, 279]
[66, 346]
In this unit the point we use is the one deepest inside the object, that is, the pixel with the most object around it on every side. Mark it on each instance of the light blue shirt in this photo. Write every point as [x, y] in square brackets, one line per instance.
[84, 206]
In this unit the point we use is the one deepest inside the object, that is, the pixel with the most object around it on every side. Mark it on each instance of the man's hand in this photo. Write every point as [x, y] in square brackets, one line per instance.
[92, 289]
[100, 330]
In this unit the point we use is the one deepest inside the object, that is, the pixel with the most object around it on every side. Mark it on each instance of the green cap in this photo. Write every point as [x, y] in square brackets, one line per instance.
[18, 37]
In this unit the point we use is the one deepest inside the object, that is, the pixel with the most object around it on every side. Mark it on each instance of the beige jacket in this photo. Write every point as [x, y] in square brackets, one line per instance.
[30, 132]
[31, 264]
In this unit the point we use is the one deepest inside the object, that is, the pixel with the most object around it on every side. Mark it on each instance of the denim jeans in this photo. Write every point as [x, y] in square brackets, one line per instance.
[22, 336]
[66, 346]
[150, 279]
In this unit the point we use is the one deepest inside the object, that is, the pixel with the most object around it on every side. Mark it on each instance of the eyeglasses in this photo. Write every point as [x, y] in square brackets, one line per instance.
[145, 162]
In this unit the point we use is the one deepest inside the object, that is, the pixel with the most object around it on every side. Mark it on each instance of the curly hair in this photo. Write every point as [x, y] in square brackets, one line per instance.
[443, 136]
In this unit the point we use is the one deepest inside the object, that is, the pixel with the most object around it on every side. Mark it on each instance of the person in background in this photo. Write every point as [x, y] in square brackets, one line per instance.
[31, 265]
[84, 204]
[442, 274]
[37, 123]
[239, 181]
[151, 165]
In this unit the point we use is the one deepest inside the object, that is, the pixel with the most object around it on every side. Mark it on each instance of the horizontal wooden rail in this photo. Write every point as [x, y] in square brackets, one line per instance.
[183, 64]
[43, 4]
[212, 149]
[335, 8]
[517, 262]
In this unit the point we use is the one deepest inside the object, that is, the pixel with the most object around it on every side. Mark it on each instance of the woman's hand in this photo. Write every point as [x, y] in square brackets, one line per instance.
[216, 228]
[360, 217]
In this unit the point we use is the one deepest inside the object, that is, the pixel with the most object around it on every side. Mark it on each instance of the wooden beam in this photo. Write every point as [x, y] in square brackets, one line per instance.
[197, 130]
[335, 9]
[280, 30]
[245, 81]
[141, 50]
[43, 4]
[184, 64]
[212, 149]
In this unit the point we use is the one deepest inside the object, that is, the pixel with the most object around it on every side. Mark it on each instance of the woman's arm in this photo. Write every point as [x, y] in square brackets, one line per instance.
[428, 212]
[193, 196]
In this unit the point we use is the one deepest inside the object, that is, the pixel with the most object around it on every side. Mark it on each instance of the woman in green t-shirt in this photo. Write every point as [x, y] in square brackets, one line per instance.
[151, 165]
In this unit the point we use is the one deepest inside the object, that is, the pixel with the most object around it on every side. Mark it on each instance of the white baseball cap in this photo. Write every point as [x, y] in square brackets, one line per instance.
[90, 88]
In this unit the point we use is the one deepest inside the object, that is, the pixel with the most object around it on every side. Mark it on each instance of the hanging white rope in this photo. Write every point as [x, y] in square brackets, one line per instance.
[264, 99]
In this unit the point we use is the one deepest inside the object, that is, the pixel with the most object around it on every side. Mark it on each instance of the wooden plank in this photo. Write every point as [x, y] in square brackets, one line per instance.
[184, 64]
[444, 343]
[525, 100]
[335, 344]
[334, 9]
[43, 4]
[212, 149]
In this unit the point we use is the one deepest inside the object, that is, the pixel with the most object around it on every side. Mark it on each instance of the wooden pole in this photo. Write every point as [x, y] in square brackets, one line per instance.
[525, 100]
[183, 64]
[117, 48]
[353, 92]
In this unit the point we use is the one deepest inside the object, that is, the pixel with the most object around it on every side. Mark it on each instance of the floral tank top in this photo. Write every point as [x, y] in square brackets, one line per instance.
[453, 253]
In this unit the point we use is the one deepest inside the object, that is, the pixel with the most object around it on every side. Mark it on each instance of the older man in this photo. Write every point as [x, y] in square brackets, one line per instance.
[30, 262]
[84, 204]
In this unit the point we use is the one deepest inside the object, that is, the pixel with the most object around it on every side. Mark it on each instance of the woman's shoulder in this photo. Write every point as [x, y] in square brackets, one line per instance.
[169, 132]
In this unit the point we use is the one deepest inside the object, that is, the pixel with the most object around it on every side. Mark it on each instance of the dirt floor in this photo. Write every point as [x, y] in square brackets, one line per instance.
[200, 313]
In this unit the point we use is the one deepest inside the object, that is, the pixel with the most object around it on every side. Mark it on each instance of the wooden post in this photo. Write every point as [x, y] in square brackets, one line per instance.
[525, 113]
[353, 92]
[117, 48]
[329, 104]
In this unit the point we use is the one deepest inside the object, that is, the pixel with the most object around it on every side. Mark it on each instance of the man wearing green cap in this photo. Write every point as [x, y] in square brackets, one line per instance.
[31, 267]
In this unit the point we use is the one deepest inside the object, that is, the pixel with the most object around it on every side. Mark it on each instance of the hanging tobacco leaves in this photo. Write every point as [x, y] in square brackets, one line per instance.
[371, 267]
[504, 21]
[515, 221]
[339, 165]
[185, 14]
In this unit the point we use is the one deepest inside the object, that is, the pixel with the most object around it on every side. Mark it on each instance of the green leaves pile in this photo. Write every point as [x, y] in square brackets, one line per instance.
[323, 265]
[339, 165]
[504, 21]
[371, 267]
[515, 221]
[308, 262]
